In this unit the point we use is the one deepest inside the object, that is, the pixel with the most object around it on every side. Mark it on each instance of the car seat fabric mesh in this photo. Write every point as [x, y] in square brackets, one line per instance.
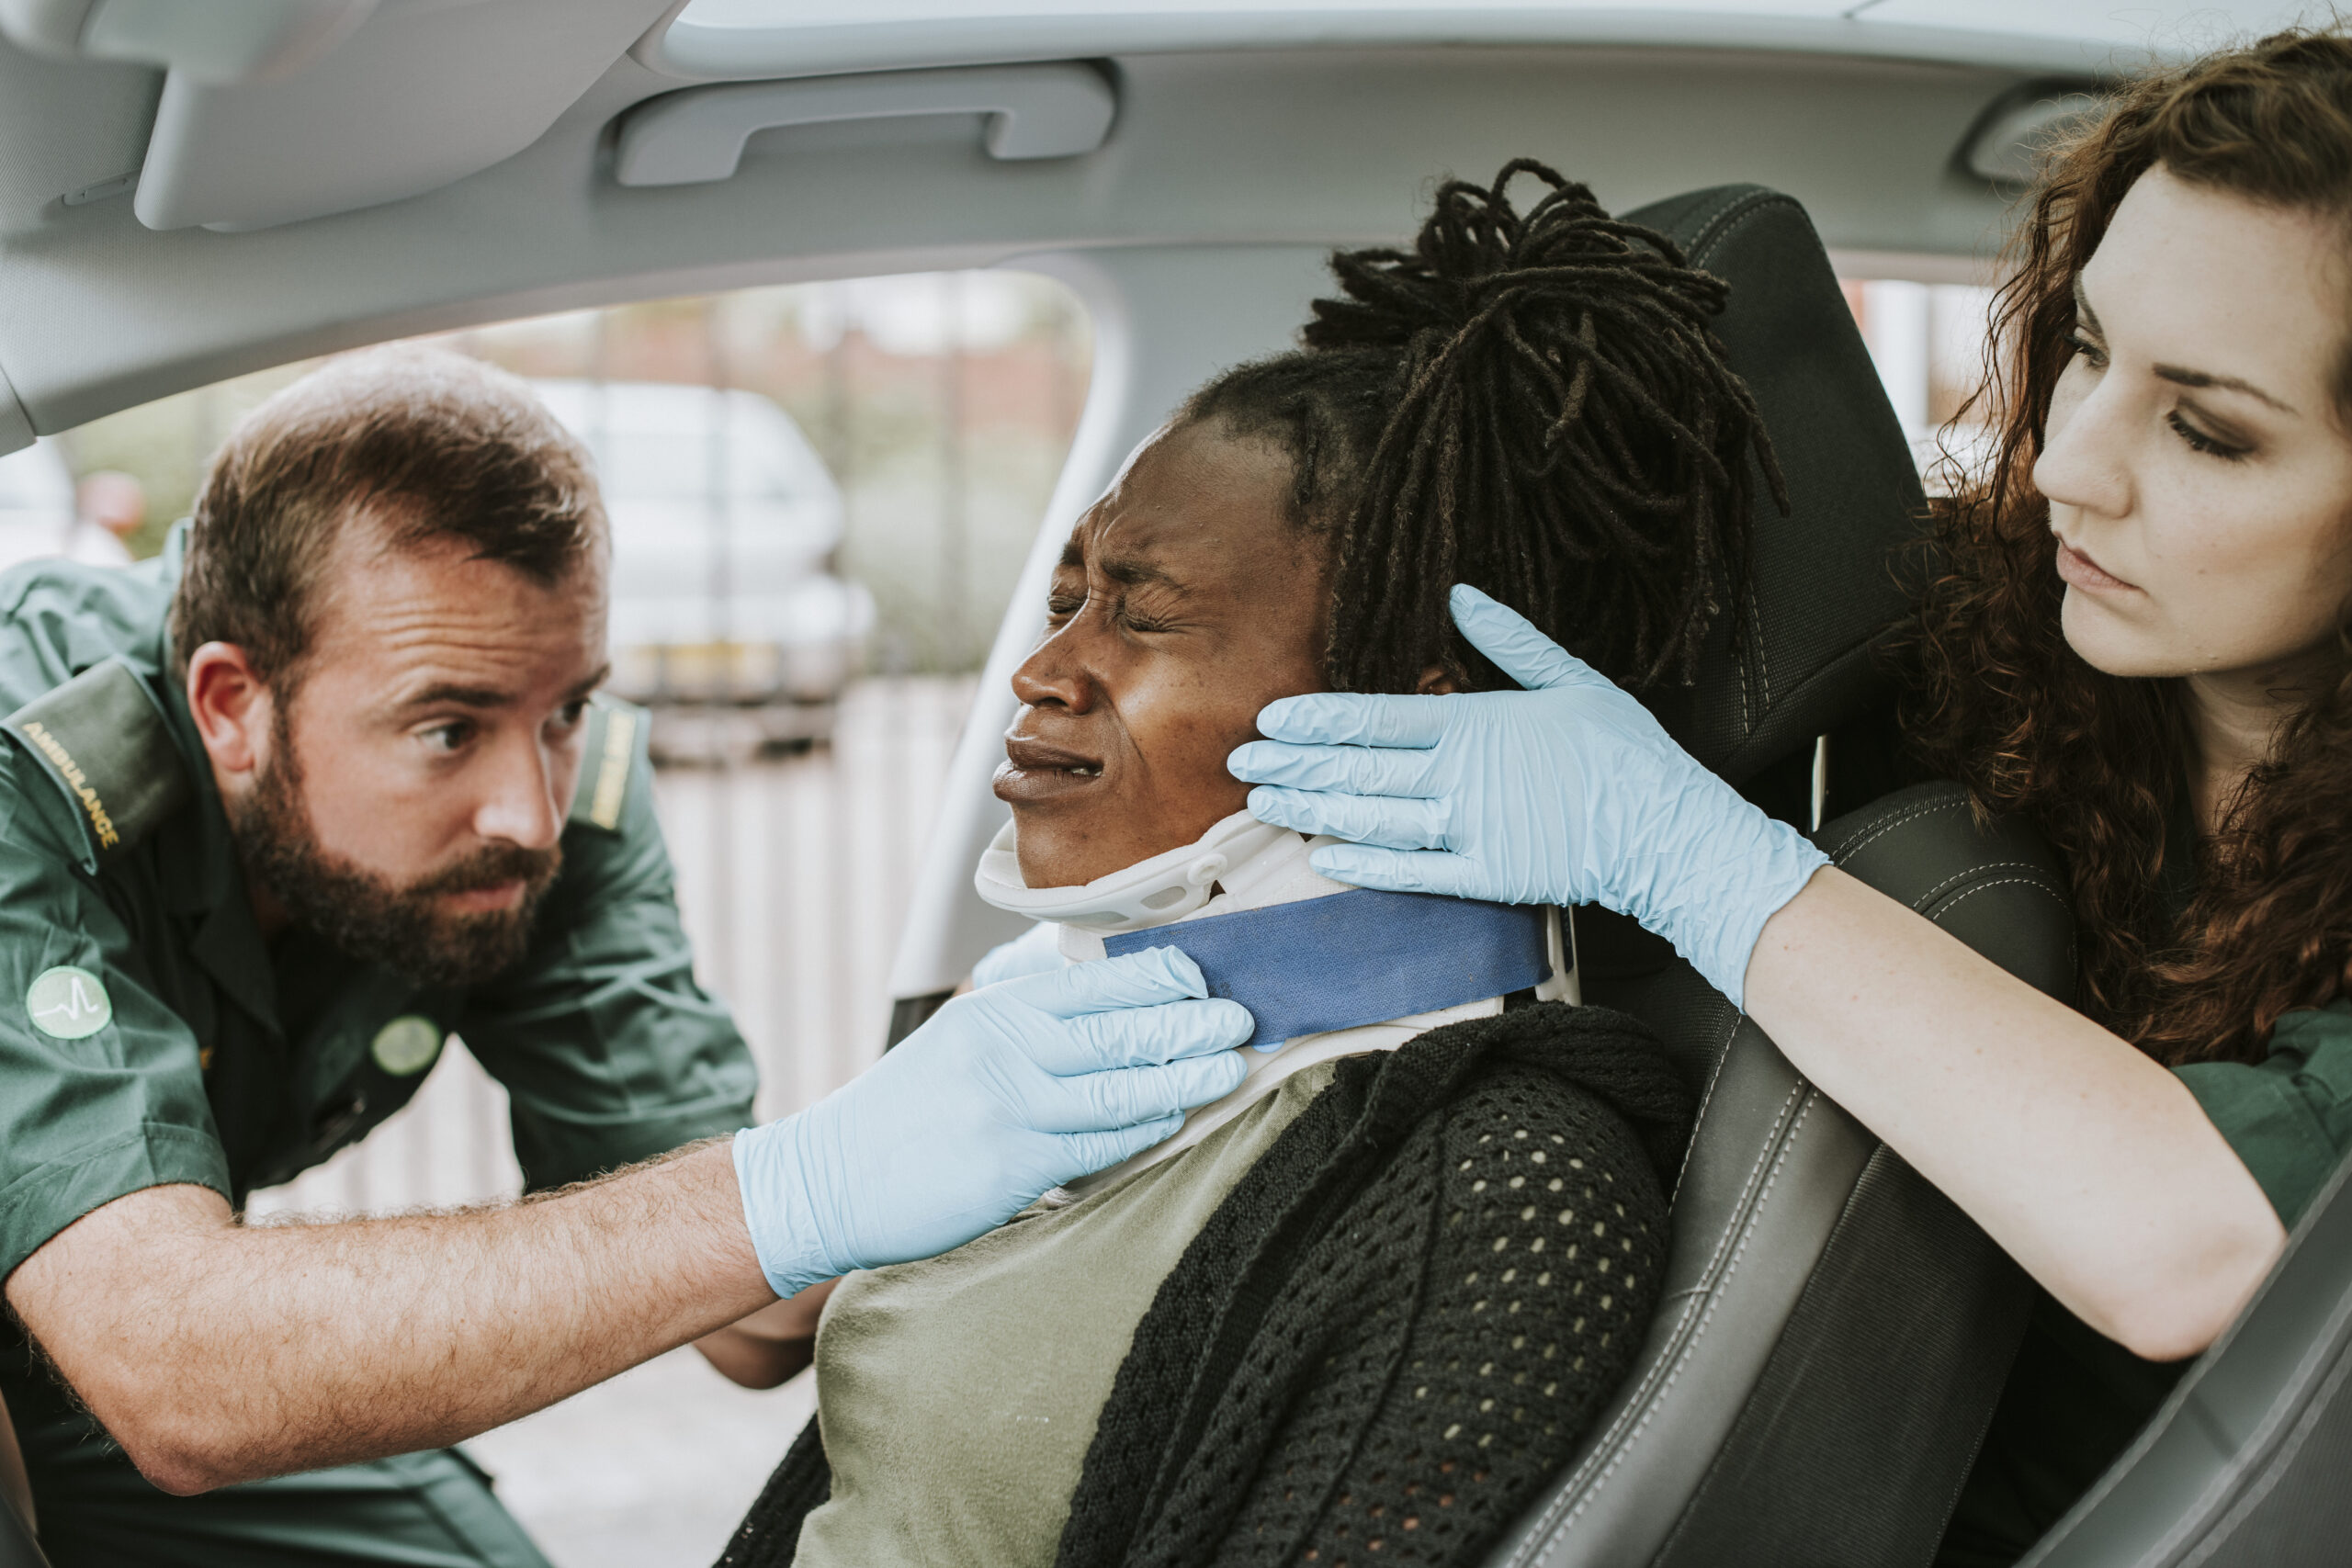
[1835, 1332]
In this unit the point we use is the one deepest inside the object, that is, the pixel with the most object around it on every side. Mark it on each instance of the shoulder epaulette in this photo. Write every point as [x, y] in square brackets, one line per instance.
[104, 740]
[615, 739]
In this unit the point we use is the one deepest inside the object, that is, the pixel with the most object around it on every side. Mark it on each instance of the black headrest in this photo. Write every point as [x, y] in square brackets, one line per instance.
[1823, 590]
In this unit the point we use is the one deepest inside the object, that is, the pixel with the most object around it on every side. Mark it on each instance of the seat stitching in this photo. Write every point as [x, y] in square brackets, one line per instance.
[1723, 1054]
[1668, 1366]
[1709, 1273]
[1683, 1354]
[2033, 882]
[1756, 196]
[1763, 665]
[1646, 1398]
[1701, 249]
[1929, 895]
[1619, 1442]
[1907, 814]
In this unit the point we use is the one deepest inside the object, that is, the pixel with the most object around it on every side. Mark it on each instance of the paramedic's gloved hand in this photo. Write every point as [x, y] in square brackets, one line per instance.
[1036, 951]
[1006, 1093]
[1566, 793]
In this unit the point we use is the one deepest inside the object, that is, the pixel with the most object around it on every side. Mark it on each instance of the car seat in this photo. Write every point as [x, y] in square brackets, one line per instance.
[1833, 1333]
[2243, 1466]
[17, 1547]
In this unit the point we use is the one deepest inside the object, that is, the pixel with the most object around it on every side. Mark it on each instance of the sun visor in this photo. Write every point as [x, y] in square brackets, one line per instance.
[416, 97]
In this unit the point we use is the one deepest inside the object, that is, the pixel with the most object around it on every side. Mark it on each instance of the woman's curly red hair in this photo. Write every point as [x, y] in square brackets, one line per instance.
[2005, 705]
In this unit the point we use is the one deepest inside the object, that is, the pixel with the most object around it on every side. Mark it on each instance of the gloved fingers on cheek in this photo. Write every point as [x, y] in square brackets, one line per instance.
[1388, 821]
[1144, 1037]
[1354, 719]
[1399, 871]
[1143, 979]
[1347, 770]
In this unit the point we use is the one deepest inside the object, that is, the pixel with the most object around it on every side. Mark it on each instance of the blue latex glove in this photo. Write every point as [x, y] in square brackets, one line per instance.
[1006, 1093]
[1036, 951]
[1566, 793]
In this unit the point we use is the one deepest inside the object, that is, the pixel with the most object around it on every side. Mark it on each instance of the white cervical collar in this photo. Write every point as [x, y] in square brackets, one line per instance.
[1149, 893]
[1247, 865]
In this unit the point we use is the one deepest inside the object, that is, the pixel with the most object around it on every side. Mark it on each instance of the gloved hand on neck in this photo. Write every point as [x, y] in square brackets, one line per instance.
[1005, 1093]
[1566, 793]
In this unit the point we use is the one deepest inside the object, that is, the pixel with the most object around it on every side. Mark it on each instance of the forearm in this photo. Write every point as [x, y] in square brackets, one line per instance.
[772, 1346]
[219, 1352]
[2087, 1162]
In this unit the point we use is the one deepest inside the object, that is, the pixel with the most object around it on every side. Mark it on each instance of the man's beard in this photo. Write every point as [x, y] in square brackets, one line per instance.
[368, 917]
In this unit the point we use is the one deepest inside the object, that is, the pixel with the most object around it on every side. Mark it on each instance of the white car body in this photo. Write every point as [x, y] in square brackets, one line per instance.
[35, 503]
[724, 524]
[39, 519]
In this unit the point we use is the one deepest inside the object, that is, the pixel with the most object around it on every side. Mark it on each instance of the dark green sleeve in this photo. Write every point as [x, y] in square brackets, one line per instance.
[609, 1048]
[2290, 1117]
[90, 1111]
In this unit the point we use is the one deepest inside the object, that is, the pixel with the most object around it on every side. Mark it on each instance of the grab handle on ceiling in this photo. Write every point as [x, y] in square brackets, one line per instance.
[697, 135]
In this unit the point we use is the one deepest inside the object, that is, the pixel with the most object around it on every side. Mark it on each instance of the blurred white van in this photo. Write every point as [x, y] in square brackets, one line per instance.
[40, 515]
[725, 522]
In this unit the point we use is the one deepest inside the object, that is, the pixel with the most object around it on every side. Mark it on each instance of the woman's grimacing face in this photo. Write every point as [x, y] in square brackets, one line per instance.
[2199, 481]
[1185, 601]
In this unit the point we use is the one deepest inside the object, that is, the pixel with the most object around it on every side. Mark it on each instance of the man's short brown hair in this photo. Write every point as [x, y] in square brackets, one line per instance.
[425, 443]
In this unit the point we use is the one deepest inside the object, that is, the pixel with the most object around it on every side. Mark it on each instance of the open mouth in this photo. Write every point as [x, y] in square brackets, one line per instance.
[1037, 770]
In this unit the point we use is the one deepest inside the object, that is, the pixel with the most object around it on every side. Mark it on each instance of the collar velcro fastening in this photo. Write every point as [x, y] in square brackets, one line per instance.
[1356, 957]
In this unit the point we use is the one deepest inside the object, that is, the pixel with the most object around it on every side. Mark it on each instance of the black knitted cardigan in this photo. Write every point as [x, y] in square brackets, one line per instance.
[1397, 1325]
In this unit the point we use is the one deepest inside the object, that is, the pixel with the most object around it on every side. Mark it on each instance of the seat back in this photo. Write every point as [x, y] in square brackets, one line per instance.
[1834, 1332]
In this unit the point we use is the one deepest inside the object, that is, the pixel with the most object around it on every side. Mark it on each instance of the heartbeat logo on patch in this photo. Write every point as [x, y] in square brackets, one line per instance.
[68, 1003]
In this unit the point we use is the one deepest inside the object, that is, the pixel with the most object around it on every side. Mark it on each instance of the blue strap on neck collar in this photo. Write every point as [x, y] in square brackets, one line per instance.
[1357, 957]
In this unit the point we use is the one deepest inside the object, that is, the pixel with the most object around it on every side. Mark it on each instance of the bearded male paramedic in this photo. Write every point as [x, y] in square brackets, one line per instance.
[282, 810]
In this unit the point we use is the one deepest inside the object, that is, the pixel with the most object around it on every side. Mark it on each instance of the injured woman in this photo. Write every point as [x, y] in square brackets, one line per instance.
[1361, 1310]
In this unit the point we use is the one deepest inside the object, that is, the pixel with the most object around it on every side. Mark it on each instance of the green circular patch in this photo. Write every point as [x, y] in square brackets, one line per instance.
[68, 1002]
[410, 1043]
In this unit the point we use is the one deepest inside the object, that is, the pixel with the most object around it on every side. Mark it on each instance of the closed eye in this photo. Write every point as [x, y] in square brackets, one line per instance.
[1136, 621]
[2197, 441]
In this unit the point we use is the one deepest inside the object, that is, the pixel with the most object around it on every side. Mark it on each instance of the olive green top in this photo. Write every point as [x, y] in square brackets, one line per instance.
[957, 1396]
[150, 1035]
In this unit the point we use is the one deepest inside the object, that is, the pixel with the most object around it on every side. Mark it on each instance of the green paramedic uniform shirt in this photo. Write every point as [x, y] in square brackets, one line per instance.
[149, 1035]
[2075, 1399]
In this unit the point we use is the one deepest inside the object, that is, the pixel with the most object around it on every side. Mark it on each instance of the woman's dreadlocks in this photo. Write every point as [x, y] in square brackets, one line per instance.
[1534, 405]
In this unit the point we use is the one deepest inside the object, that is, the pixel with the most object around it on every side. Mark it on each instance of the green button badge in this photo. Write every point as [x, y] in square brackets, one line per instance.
[410, 1043]
[68, 1002]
